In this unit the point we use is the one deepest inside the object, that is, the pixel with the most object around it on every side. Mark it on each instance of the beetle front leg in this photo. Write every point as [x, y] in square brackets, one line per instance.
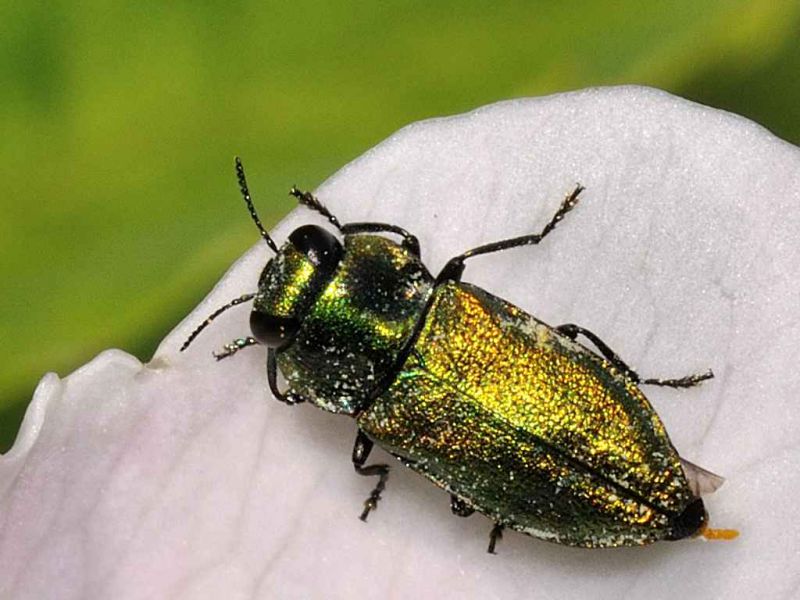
[289, 398]
[572, 331]
[361, 450]
[410, 242]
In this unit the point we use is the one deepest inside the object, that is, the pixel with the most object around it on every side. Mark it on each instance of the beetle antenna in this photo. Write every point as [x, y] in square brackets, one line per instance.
[311, 201]
[247, 200]
[235, 302]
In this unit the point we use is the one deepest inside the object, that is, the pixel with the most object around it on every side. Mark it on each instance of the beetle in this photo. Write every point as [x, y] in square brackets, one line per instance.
[514, 418]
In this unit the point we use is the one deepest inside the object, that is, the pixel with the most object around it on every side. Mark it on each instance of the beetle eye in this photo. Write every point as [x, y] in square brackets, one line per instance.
[320, 246]
[288, 286]
[271, 330]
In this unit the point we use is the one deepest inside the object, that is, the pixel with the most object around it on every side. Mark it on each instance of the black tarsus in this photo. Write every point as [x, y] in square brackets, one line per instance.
[252, 209]
[572, 331]
[235, 302]
[682, 382]
[361, 449]
[454, 268]
[410, 242]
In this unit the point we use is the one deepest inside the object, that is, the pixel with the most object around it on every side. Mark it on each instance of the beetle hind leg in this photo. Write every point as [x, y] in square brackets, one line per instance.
[361, 450]
[682, 382]
[572, 331]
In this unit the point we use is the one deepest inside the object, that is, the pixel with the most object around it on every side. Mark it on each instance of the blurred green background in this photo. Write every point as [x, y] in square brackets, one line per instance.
[118, 125]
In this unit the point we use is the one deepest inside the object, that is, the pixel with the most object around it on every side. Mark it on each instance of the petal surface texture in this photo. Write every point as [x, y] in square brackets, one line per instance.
[183, 478]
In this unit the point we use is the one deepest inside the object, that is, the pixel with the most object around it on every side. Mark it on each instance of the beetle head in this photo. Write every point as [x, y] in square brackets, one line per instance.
[291, 282]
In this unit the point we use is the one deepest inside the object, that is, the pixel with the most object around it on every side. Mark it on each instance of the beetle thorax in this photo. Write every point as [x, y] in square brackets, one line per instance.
[354, 330]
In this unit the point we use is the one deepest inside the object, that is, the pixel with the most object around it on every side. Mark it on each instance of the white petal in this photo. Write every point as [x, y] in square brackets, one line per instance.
[184, 479]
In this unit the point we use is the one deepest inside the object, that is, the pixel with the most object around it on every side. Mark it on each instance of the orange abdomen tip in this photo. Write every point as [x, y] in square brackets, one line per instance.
[720, 534]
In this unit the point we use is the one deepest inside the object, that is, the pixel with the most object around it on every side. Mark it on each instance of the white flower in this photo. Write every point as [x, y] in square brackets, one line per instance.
[183, 478]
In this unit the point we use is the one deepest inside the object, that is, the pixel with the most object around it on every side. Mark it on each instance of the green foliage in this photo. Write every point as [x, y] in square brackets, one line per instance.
[120, 123]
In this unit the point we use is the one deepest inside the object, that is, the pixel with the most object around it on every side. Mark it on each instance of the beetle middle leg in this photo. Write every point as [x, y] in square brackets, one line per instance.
[361, 450]
[454, 268]
[410, 242]
[572, 331]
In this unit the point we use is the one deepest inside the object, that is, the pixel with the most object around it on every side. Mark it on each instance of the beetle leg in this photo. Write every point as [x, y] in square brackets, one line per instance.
[459, 507]
[682, 382]
[494, 535]
[410, 242]
[361, 450]
[234, 347]
[454, 268]
[572, 331]
[272, 377]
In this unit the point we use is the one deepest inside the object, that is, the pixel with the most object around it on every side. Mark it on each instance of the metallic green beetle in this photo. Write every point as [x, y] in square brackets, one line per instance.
[512, 417]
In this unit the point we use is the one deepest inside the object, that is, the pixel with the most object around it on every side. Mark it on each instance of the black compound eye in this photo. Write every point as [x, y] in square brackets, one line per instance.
[273, 331]
[320, 246]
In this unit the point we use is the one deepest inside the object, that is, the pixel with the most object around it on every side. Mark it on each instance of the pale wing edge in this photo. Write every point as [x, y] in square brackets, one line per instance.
[701, 481]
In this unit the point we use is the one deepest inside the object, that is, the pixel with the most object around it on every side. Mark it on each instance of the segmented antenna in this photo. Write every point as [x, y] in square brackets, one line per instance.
[313, 203]
[247, 200]
[235, 302]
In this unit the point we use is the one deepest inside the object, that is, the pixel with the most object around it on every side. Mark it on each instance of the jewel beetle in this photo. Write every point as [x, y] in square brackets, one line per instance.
[514, 418]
